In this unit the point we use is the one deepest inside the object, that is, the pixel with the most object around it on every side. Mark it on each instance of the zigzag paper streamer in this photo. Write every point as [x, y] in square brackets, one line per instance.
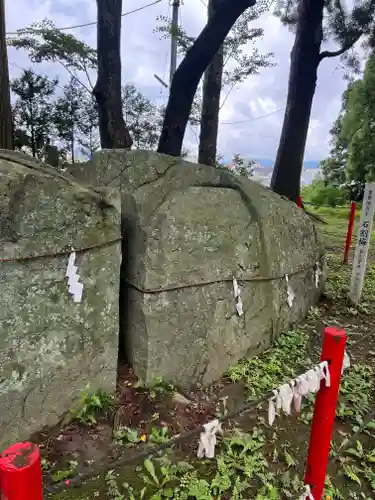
[75, 288]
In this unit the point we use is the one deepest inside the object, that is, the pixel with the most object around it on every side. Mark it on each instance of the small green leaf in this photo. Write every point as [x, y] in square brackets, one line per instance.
[149, 466]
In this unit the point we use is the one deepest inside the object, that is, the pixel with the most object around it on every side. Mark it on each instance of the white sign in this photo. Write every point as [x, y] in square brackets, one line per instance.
[363, 242]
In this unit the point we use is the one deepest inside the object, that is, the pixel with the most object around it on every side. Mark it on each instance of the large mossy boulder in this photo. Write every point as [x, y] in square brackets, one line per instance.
[189, 229]
[50, 346]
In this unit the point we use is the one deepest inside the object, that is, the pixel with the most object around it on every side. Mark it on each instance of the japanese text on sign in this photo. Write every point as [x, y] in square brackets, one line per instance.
[363, 241]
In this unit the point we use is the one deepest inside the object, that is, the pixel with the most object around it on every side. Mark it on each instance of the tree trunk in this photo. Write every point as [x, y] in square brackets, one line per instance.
[32, 133]
[107, 91]
[190, 71]
[211, 102]
[6, 126]
[72, 146]
[305, 58]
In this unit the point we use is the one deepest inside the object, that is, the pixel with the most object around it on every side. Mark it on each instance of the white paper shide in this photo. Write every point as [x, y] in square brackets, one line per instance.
[75, 288]
[237, 297]
[291, 394]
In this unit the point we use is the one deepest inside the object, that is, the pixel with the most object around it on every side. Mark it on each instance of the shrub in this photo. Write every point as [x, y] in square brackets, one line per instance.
[320, 194]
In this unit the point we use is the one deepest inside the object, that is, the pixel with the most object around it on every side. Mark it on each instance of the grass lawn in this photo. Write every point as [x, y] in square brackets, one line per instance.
[253, 460]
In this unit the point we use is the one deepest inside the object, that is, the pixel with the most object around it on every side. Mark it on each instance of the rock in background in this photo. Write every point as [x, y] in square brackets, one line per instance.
[51, 347]
[189, 229]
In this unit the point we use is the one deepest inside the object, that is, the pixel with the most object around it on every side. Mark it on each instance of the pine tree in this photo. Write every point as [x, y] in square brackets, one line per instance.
[66, 116]
[33, 110]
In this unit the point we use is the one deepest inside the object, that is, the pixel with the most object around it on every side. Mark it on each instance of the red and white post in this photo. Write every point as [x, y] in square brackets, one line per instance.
[21, 473]
[349, 234]
[333, 350]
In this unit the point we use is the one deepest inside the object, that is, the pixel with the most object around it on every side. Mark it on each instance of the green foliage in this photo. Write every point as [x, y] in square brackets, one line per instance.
[75, 121]
[88, 125]
[242, 167]
[235, 45]
[70, 118]
[92, 403]
[355, 389]
[43, 42]
[239, 463]
[320, 193]
[66, 115]
[159, 435]
[342, 25]
[263, 373]
[32, 111]
[353, 135]
[66, 473]
[358, 126]
[42, 118]
[240, 61]
[238, 165]
[127, 436]
[142, 118]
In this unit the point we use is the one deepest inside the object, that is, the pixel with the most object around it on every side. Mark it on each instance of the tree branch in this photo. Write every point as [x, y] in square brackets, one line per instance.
[346, 46]
[87, 75]
[74, 77]
[335, 53]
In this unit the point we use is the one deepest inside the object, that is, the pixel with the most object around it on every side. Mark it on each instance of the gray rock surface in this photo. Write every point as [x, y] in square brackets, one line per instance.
[188, 230]
[51, 347]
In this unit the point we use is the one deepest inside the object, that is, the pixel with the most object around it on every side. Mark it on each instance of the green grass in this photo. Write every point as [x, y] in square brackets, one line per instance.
[334, 232]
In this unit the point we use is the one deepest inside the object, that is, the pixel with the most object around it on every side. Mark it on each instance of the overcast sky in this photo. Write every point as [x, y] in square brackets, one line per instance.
[144, 53]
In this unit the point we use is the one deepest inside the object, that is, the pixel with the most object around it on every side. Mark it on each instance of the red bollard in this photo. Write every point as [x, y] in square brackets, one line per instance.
[299, 202]
[21, 473]
[349, 234]
[333, 350]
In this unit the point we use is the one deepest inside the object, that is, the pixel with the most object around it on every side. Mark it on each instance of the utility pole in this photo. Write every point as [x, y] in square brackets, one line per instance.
[6, 126]
[174, 29]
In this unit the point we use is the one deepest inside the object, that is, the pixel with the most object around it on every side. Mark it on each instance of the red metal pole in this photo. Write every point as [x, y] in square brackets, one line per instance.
[349, 234]
[333, 349]
[299, 202]
[21, 473]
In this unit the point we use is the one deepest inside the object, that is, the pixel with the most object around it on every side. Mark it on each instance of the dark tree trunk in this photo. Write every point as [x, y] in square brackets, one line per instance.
[190, 71]
[6, 126]
[211, 102]
[32, 133]
[107, 91]
[305, 58]
[72, 146]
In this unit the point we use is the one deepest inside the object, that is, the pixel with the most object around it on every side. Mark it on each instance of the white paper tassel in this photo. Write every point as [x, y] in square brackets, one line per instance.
[307, 493]
[286, 396]
[325, 373]
[74, 287]
[237, 298]
[346, 362]
[289, 291]
[207, 440]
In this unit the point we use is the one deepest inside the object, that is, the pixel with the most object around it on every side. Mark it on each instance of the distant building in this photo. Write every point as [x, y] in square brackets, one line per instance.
[262, 171]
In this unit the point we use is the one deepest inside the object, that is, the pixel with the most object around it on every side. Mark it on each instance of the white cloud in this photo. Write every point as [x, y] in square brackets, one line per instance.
[144, 53]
